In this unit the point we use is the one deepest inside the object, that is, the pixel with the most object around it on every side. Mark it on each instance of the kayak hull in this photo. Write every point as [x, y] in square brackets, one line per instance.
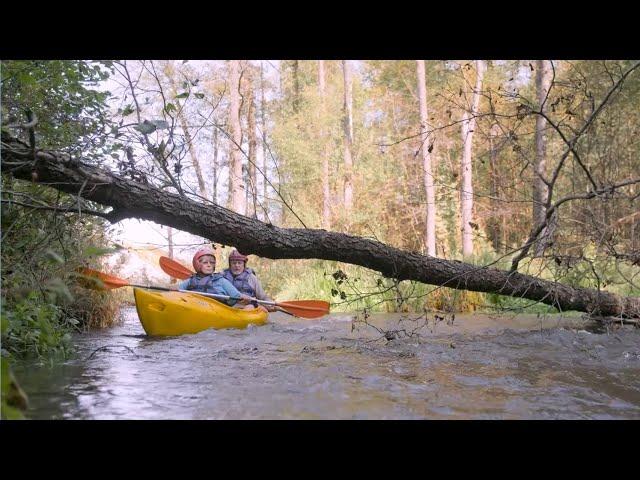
[178, 313]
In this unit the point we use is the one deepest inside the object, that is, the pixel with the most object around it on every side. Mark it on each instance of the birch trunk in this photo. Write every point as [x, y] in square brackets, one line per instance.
[469, 123]
[540, 189]
[251, 122]
[326, 209]
[348, 137]
[236, 183]
[430, 229]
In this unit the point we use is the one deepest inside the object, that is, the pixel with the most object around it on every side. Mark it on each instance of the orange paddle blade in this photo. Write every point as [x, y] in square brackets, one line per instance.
[104, 281]
[174, 269]
[306, 308]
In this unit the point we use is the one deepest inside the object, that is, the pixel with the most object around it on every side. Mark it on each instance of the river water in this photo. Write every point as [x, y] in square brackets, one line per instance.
[467, 367]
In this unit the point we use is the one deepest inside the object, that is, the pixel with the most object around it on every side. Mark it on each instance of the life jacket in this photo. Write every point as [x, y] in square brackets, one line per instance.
[241, 282]
[206, 283]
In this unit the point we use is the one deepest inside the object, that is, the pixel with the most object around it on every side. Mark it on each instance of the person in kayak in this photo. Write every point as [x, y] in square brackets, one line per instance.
[207, 281]
[244, 279]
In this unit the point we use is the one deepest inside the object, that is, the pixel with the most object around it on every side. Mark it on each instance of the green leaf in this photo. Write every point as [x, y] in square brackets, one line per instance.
[161, 147]
[145, 127]
[169, 107]
[128, 110]
[182, 95]
[199, 95]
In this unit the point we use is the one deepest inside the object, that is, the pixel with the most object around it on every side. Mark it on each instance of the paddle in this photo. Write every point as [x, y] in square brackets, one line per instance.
[177, 270]
[305, 309]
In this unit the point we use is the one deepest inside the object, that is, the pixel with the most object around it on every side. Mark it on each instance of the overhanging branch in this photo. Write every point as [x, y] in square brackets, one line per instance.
[134, 199]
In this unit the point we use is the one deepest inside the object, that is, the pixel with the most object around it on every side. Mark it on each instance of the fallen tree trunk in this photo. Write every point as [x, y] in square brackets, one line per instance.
[139, 200]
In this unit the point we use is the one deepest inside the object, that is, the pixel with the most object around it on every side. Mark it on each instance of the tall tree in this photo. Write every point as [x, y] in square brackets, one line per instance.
[348, 136]
[236, 183]
[170, 73]
[540, 190]
[326, 208]
[296, 85]
[194, 155]
[430, 229]
[170, 247]
[216, 146]
[263, 127]
[469, 123]
[495, 230]
[251, 126]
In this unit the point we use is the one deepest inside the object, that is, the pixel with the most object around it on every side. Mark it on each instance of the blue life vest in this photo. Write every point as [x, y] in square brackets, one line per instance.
[206, 283]
[241, 282]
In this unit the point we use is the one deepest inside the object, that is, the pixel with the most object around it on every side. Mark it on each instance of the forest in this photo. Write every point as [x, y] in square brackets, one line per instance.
[413, 185]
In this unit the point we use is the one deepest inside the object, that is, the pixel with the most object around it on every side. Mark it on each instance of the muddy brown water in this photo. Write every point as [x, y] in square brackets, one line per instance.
[476, 367]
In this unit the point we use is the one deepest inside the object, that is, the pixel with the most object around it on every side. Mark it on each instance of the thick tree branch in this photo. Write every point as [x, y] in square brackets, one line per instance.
[139, 200]
[114, 216]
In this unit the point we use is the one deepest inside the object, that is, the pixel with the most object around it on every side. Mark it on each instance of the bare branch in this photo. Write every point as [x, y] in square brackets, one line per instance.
[539, 228]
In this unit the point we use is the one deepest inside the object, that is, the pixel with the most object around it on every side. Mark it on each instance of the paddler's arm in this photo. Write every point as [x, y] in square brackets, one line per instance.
[260, 294]
[232, 291]
[180, 286]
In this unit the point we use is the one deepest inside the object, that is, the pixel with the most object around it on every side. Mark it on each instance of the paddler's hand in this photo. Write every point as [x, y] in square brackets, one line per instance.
[244, 299]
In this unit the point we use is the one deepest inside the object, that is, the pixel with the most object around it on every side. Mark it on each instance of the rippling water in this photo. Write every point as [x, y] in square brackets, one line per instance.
[477, 367]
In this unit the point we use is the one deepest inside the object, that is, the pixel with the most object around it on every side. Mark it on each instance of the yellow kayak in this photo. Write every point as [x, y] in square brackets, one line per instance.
[177, 313]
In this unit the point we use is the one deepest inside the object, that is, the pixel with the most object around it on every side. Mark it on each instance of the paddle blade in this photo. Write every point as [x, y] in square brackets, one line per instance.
[306, 308]
[174, 269]
[100, 281]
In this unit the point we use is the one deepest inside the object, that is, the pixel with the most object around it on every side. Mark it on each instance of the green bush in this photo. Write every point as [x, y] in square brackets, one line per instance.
[34, 326]
[13, 400]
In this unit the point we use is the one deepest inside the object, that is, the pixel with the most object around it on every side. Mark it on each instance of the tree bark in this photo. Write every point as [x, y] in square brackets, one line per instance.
[466, 197]
[348, 137]
[236, 183]
[279, 162]
[326, 208]
[430, 228]
[263, 126]
[540, 189]
[214, 188]
[194, 156]
[131, 199]
[496, 214]
[251, 125]
[296, 86]
[170, 246]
